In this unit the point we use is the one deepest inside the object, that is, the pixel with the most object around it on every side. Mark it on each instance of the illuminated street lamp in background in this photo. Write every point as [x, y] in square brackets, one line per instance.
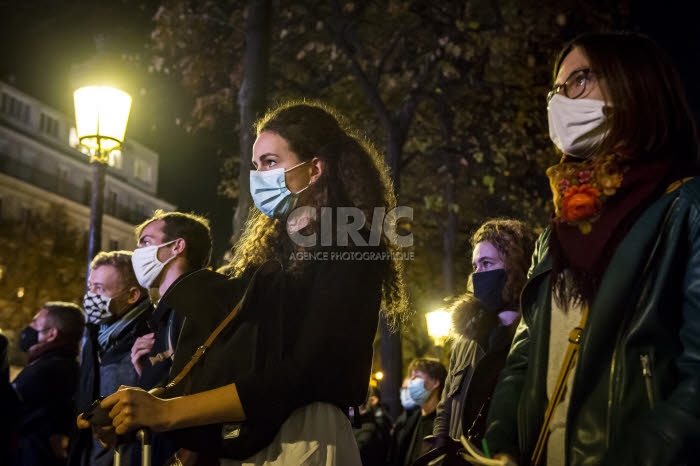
[101, 114]
[439, 325]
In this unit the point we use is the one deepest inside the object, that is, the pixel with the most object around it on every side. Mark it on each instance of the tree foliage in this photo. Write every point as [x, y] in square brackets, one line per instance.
[45, 245]
[452, 91]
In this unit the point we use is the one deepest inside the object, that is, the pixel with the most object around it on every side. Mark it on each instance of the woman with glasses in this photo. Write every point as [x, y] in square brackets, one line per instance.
[605, 365]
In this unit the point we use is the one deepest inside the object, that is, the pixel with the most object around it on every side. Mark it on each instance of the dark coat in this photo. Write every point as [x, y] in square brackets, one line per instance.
[45, 389]
[470, 382]
[166, 326]
[8, 407]
[101, 374]
[401, 435]
[373, 436]
[296, 340]
[648, 305]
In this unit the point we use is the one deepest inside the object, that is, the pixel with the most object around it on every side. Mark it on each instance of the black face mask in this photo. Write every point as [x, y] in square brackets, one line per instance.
[488, 288]
[28, 337]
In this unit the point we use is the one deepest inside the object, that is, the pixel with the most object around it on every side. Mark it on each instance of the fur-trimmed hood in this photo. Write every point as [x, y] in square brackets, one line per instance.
[471, 321]
[464, 309]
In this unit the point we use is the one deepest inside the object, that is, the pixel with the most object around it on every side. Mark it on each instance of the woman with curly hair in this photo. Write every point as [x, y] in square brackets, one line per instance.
[484, 322]
[315, 319]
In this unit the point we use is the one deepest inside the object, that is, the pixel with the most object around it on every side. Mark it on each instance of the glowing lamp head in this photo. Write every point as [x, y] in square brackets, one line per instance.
[439, 324]
[101, 114]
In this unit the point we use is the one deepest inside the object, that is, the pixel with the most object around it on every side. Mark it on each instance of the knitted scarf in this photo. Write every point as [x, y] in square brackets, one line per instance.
[60, 344]
[596, 202]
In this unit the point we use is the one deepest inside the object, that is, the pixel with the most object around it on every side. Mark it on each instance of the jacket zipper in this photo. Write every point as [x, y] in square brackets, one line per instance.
[622, 329]
[611, 395]
[647, 374]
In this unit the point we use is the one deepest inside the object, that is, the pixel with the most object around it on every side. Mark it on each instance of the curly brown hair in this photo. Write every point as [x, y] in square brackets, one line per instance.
[515, 241]
[354, 175]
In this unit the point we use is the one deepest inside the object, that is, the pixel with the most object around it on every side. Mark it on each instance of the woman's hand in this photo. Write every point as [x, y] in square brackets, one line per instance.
[132, 408]
[81, 422]
[105, 434]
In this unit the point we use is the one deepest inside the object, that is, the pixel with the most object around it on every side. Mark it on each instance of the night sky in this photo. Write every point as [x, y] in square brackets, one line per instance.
[676, 30]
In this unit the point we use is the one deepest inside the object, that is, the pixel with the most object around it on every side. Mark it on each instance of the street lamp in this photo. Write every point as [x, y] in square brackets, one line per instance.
[439, 324]
[101, 114]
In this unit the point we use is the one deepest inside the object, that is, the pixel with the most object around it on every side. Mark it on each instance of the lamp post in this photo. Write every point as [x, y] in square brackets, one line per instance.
[439, 324]
[101, 114]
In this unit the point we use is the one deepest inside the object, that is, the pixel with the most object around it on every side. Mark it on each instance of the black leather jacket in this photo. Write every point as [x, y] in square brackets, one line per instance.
[635, 396]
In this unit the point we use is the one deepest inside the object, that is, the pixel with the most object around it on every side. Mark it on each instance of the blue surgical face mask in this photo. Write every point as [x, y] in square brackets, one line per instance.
[270, 192]
[415, 394]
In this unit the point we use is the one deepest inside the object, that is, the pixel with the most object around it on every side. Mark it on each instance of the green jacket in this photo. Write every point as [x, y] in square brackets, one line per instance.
[646, 313]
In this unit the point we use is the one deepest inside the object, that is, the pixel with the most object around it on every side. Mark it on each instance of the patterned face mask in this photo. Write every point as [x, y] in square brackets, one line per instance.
[96, 307]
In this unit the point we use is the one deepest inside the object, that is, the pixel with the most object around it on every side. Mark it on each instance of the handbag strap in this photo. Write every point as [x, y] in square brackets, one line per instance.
[264, 269]
[203, 348]
[560, 387]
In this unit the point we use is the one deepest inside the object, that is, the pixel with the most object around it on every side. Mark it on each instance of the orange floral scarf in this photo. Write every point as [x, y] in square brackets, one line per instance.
[579, 189]
[596, 202]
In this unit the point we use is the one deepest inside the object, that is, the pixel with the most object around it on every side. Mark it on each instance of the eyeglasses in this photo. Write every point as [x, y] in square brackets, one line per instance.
[574, 86]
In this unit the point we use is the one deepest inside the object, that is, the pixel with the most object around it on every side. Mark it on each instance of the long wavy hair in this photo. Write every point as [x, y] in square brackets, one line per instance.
[353, 175]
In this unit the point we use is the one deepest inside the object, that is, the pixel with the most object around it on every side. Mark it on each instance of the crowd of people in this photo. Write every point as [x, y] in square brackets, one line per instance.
[577, 347]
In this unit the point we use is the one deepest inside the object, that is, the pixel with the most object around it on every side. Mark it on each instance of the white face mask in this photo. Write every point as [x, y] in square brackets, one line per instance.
[576, 126]
[146, 265]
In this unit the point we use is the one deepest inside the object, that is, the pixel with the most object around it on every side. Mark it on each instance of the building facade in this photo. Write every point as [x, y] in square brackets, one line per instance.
[45, 194]
[42, 165]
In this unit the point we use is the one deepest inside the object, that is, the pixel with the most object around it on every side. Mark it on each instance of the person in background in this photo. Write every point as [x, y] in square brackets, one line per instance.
[605, 365]
[171, 246]
[303, 339]
[174, 251]
[373, 430]
[484, 322]
[45, 388]
[114, 292]
[8, 407]
[420, 393]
